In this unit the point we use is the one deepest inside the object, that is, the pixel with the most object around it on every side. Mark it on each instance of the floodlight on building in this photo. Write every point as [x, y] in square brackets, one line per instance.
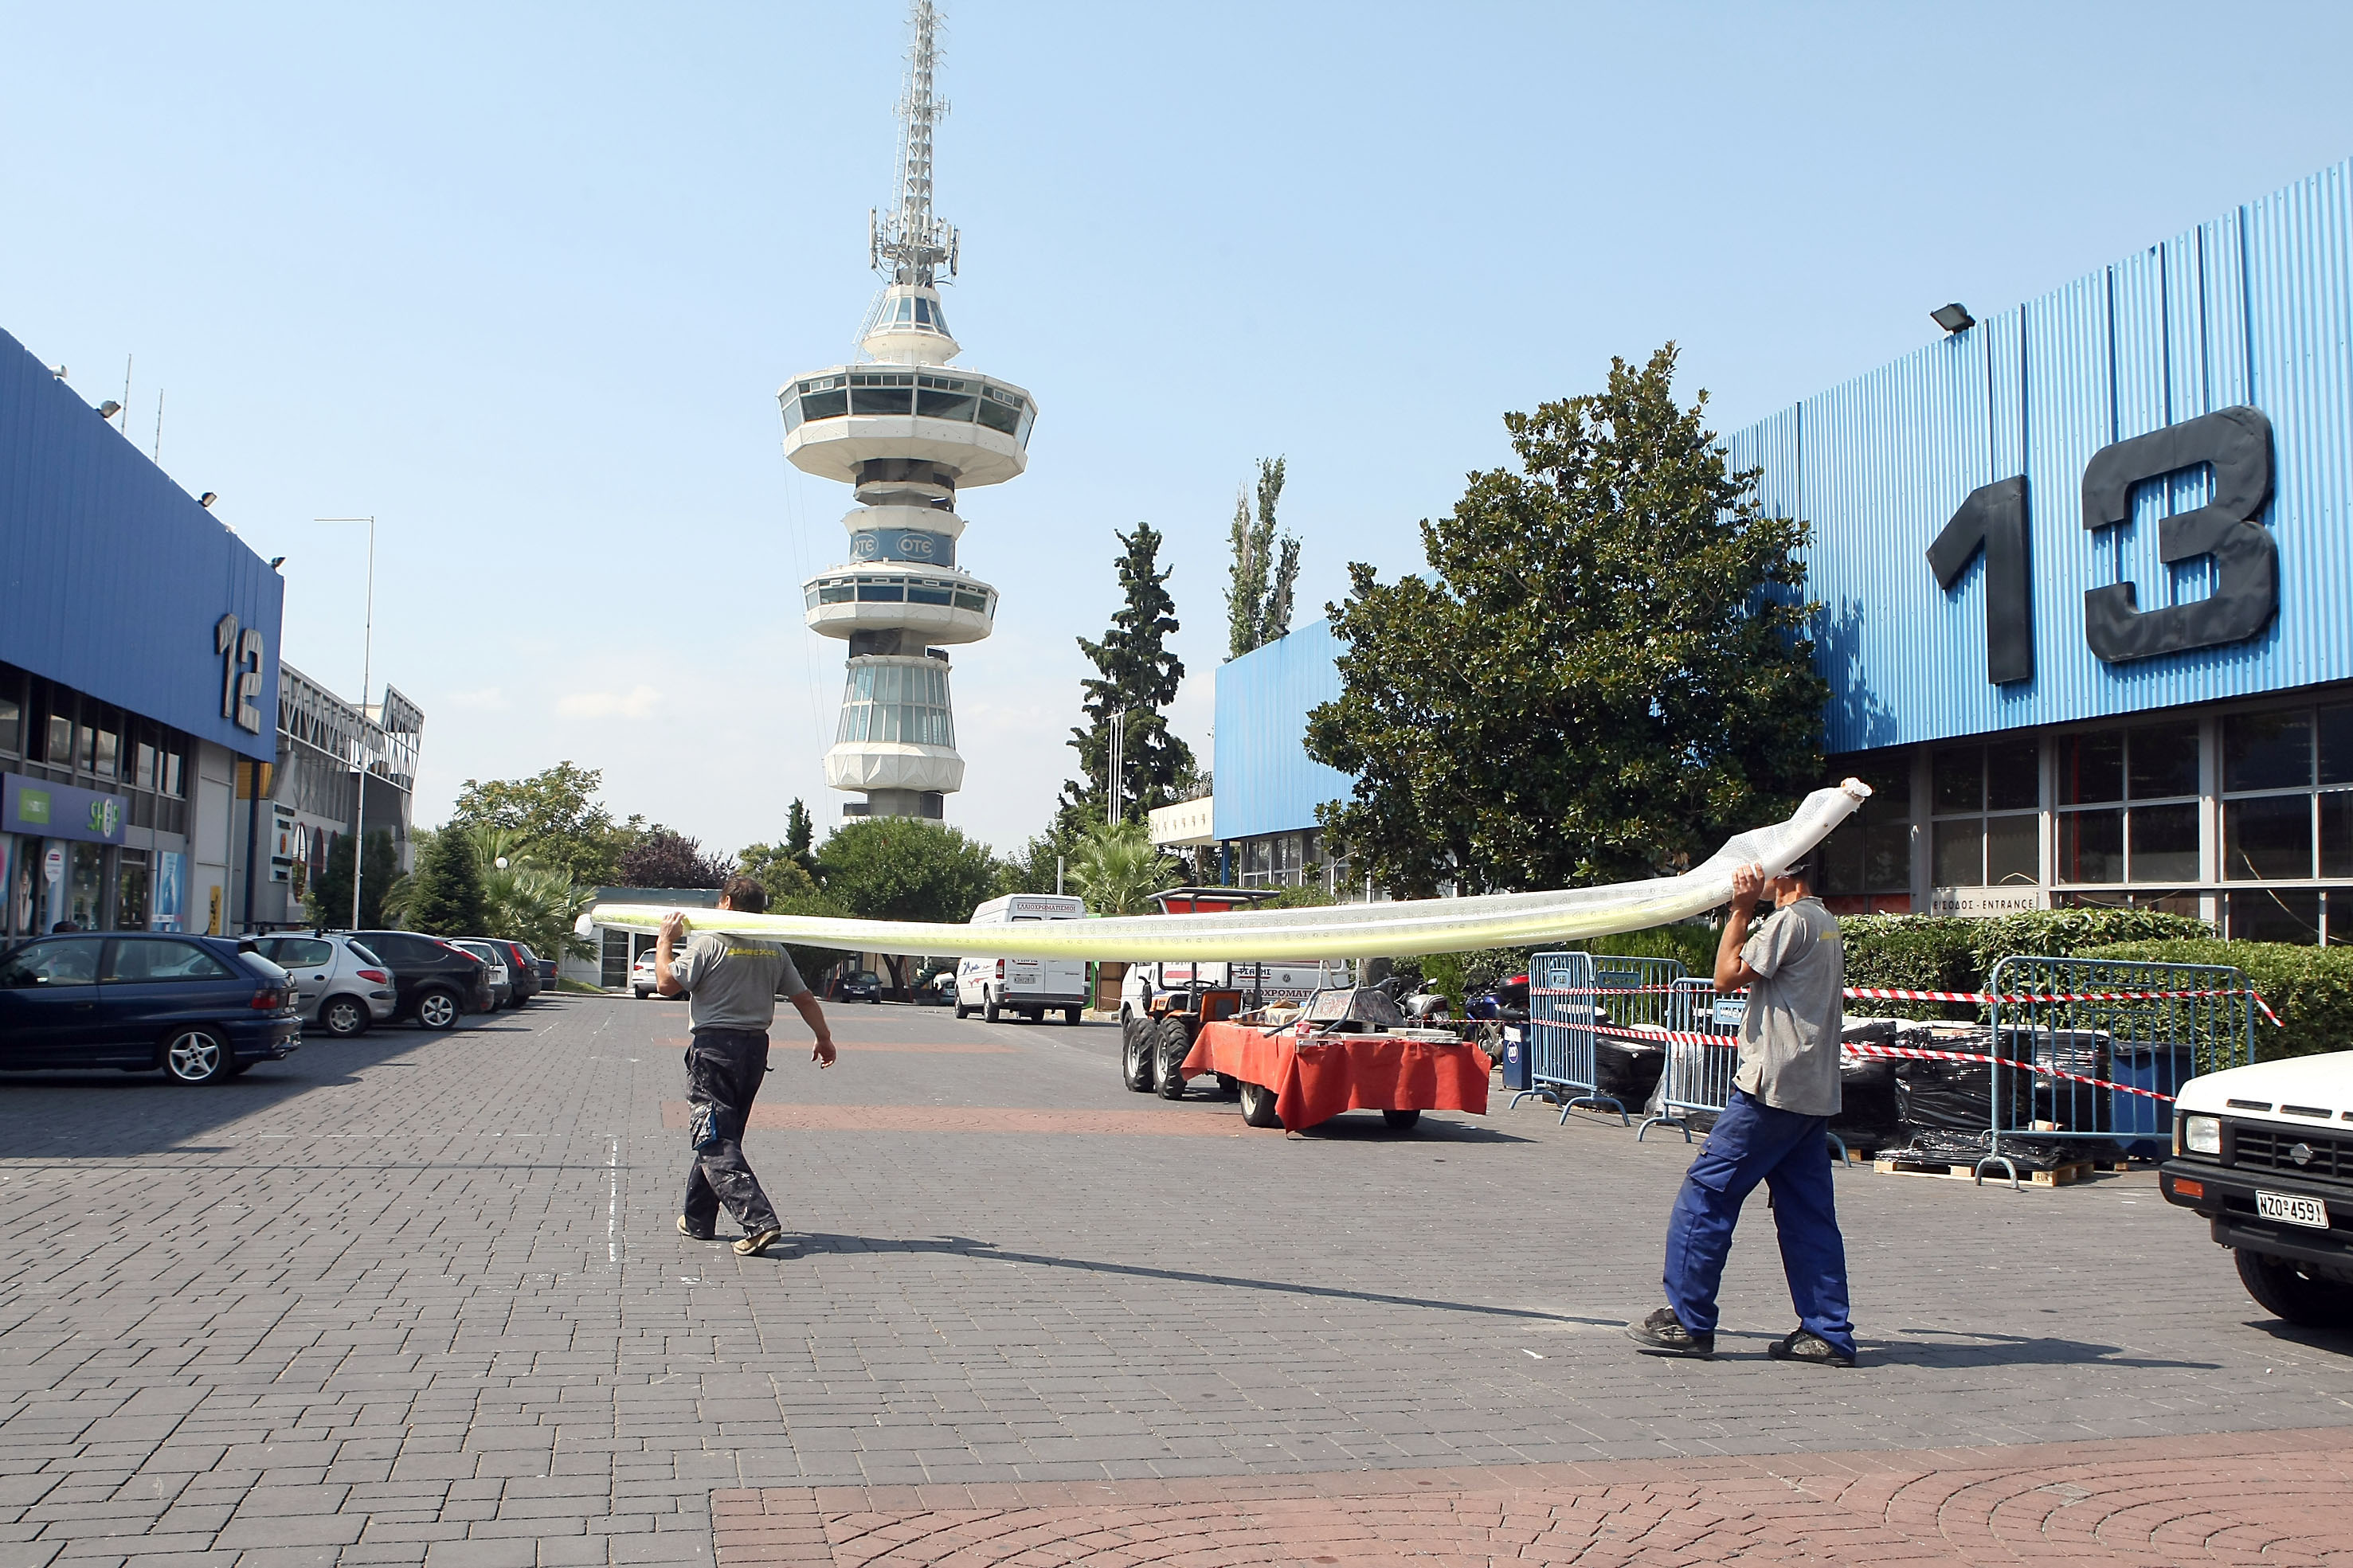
[58, 371]
[1953, 318]
[205, 500]
[109, 409]
[276, 562]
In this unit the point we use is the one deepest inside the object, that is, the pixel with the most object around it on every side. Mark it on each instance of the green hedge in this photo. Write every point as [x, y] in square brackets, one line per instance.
[2311, 988]
[1921, 953]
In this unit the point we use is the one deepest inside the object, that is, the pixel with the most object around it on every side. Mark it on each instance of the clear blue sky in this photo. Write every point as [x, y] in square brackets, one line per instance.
[522, 281]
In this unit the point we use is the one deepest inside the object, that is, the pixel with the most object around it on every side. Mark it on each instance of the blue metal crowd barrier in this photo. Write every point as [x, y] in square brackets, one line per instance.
[1697, 1079]
[1571, 997]
[2090, 1050]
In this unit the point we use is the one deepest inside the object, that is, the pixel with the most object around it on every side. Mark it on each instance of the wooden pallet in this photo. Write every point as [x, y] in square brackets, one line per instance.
[2058, 1177]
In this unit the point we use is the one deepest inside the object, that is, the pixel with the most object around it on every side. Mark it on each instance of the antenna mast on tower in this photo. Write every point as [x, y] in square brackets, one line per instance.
[911, 244]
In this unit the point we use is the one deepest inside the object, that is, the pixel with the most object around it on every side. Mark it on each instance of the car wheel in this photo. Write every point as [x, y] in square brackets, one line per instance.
[438, 1010]
[960, 1010]
[641, 991]
[197, 1055]
[988, 1009]
[1071, 1014]
[343, 1017]
[1400, 1119]
[1258, 1106]
[2282, 1288]
[1136, 1052]
[1173, 1042]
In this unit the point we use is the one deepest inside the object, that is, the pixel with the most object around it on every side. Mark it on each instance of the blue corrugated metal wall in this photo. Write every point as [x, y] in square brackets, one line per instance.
[1266, 782]
[114, 576]
[2255, 308]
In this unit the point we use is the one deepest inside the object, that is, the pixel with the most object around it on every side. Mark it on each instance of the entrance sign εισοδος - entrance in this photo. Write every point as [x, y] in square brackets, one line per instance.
[2236, 442]
[1403, 929]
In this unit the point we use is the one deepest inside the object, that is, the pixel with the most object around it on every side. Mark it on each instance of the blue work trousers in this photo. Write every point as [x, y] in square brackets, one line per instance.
[1789, 1154]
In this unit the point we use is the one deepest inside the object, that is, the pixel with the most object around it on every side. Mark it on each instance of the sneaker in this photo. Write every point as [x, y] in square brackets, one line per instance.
[1802, 1344]
[692, 1234]
[759, 1241]
[1663, 1333]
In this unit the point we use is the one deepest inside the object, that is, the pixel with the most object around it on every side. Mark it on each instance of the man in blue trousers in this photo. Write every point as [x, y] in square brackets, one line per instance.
[1775, 1129]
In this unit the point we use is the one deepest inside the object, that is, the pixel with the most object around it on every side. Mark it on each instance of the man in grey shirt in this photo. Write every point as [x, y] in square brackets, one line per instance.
[1775, 1129]
[732, 983]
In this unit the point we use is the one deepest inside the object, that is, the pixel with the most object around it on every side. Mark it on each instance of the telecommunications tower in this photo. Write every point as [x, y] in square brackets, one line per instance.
[908, 432]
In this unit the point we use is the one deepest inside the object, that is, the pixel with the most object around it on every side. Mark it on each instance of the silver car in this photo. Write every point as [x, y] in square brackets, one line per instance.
[502, 981]
[340, 984]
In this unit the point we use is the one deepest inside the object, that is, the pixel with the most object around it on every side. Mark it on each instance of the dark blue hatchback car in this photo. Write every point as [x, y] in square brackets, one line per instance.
[194, 1008]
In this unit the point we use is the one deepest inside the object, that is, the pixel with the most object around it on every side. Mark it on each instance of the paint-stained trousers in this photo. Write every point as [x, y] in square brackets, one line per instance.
[1789, 1154]
[723, 1069]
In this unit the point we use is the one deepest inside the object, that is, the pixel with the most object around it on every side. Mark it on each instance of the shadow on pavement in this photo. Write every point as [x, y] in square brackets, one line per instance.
[109, 1115]
[964, 1246]
[1975, 1350]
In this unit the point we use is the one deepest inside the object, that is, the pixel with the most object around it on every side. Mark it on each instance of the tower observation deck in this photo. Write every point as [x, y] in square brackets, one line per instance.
[908, 432]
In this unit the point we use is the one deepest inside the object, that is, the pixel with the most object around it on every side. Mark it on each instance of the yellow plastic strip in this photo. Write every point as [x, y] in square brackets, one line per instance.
[1403, 929]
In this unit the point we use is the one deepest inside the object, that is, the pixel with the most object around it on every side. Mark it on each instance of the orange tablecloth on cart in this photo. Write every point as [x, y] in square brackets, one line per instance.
[1345, 1072]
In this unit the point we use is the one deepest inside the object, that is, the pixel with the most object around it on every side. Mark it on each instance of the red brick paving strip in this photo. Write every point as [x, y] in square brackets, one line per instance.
[986, 1118]
[903, 1048]
[2274, 1498]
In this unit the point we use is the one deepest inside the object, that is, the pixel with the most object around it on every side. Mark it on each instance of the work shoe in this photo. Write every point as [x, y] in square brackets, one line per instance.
[759, 1241]
[1663, 1333]
[1803, 1344]
[692, 1234]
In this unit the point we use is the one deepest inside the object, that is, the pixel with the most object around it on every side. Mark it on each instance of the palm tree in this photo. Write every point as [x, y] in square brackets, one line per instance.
[1118, 870]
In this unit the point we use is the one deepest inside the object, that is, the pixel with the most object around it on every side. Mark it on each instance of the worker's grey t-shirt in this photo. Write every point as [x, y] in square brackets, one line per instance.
[1797, 1006]
[732, 982]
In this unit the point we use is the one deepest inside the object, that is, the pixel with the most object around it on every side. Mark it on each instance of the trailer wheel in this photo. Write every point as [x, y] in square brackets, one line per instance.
[1136, 1052]
[1228, 1084]
[1173, 1042]
[1400, 1119]
[1258, 1106]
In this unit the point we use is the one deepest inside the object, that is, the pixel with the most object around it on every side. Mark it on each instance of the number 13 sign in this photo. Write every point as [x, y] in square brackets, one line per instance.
[2236, 442]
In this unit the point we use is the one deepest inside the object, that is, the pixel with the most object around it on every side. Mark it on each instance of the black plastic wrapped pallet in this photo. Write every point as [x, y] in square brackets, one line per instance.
[1626, 1071]
[1958, 1096]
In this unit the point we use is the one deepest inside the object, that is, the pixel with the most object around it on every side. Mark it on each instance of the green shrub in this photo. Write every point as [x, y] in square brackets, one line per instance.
[1922, 952]
[2311, 988]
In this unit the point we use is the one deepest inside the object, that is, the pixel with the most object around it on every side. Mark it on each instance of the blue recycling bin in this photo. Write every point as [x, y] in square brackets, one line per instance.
[2162, 1065]
[1515, 1058]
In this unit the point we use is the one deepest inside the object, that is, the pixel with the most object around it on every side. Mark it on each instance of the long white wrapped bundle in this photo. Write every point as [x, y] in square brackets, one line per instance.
[1403, 929]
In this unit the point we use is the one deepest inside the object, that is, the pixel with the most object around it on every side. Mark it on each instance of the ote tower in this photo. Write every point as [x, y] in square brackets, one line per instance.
[908, 432]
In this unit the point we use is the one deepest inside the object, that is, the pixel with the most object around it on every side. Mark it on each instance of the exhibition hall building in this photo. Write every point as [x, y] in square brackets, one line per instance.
[2085, 575]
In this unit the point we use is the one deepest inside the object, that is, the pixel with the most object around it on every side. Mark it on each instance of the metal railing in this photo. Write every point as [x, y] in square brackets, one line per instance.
[2091, 1051]
[1573, 997]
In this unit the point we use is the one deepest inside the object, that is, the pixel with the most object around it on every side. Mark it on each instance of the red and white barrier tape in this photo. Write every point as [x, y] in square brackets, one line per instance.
[1914, 1053]
[1971, 998]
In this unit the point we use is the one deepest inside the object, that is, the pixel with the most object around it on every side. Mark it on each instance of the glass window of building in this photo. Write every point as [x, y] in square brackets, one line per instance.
[2270, 826]
[1988, 825]
[130, 891]
[1871, 851]
[2128, 805]
[12, 723]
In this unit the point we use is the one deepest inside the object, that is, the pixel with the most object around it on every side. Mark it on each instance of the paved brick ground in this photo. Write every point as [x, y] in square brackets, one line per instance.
[418, 1299]
[2274, 1498]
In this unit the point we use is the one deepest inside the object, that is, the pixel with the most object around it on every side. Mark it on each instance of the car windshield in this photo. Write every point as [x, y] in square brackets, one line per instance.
[364, 953]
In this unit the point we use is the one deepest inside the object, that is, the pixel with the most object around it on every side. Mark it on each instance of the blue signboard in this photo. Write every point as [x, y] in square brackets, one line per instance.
[47, 810]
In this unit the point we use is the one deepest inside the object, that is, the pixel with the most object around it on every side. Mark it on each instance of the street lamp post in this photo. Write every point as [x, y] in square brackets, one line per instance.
[367, 673]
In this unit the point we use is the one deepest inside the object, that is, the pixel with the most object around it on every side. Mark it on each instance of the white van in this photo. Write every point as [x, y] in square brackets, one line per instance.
[1032, 987]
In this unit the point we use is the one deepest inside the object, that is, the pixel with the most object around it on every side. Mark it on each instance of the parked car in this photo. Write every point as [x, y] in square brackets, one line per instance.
[340, 985]
[641, 975]
[196, 1008]
[522, 969]
[2258, 1155]
[531, 979]
[1032, 987]
[500, 967]
[863, 986]
[939, 991]
[436, 982]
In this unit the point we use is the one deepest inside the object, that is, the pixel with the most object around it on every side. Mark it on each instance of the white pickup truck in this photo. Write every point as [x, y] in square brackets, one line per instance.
[2265, 1154]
